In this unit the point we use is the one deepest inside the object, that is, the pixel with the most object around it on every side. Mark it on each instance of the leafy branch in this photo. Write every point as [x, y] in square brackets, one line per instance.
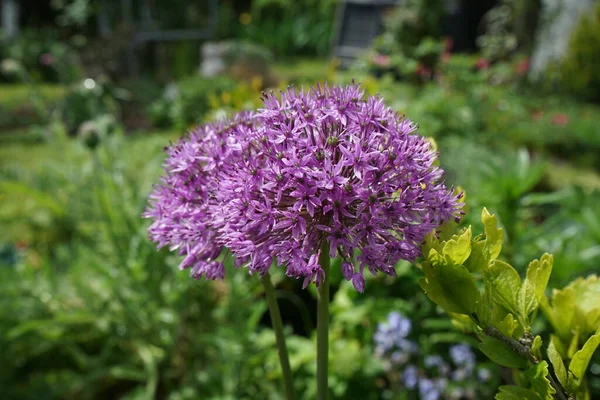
[486, 295]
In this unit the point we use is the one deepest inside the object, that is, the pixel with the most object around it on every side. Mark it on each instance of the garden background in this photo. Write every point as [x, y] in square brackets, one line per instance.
[90, 93]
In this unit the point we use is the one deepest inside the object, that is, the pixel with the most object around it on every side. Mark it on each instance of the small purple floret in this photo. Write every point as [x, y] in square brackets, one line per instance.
[315, 167]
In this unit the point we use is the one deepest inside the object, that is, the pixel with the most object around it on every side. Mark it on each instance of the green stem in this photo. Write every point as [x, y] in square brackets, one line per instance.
[280, 338]
[323, 326]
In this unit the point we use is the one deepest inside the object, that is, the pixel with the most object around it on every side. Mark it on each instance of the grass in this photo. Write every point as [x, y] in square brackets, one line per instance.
[562, 174]
[15, 95]
[35, 156]
[302, 69]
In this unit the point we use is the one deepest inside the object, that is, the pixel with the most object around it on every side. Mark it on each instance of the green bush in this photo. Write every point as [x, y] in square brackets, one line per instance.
[44, 56]
[188, 101]
[289, 27]
[579, 70]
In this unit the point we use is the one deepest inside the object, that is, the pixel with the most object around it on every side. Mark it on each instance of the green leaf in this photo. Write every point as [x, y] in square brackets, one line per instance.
[485, 251]
[508, 325]
[494, 236]
[538, 274]
[536, 346]
[534, 285]
[432, 242]
[573, 346]
[526, 300]
[509, 392]
[476, 261]
[587, 311]
[561, 312]
[485, 307]
[500, 353]
[457, 250]
[505, 282]
[557, 363]
[581, 360]
[451, 287]
[538, 376]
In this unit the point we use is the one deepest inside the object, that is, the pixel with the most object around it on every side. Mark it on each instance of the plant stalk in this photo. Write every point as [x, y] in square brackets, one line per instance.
[323, 327]
[284, 360]
[525, 351]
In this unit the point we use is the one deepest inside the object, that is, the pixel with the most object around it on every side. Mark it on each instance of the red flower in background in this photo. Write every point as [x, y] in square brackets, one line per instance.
[482, 63]
[522, 67]
[447, 53]
[423, 71]
[560, 119]
[448, 44]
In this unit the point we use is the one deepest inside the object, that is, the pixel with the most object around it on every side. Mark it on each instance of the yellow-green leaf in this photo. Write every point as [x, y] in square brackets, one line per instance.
[451, 287]
[581, 360]
[494, 236]
[536, 346]
[526, 299]
[561, 312]
[500, 353]
[557, 363]
[458, 249]
[508, 325]
[538, 376]
[509, 392]
[573, 346]
[538, 274]
[506, 283]
[431, 242]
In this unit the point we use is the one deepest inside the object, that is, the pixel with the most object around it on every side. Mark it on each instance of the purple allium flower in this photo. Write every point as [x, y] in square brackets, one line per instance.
[312, 171]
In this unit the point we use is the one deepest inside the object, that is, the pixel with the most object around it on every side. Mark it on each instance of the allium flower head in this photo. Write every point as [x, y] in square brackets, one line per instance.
[319, 170]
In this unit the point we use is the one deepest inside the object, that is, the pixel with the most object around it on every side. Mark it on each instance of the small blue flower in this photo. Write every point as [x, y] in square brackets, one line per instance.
[484, 374]
[410, 376]
[437, 362]
[428, 390]
[462, 355]
[399, 357]
[406, 345]
[460, 374]
[392, 334]
[457, 393]
[400, 324]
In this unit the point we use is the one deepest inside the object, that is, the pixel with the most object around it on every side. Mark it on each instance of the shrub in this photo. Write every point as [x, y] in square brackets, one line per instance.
[579, 70]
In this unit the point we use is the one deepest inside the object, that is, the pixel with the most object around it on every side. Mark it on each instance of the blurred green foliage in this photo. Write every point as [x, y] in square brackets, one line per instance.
[579, 70]
[289, 27]
[89, 308]
[186, 102]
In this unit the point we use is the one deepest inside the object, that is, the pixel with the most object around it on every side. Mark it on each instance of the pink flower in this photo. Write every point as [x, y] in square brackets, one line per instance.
[448, 45]
[47, 59]
[424, 72]
[482, 63]
[381, 60]
[522, 67]
[560, 119]
[537, 114]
